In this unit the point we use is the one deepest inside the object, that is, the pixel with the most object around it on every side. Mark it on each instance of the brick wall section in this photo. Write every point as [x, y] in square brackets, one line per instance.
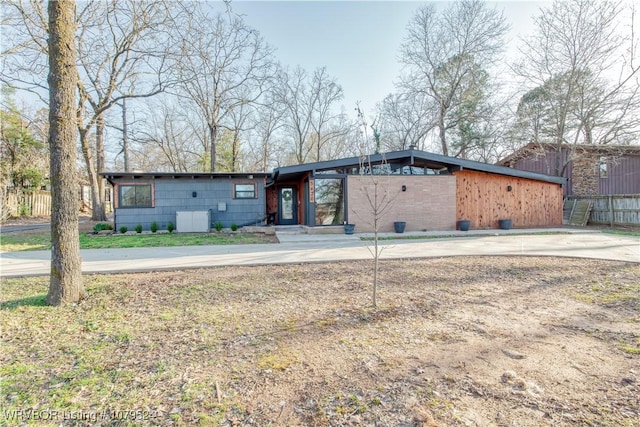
[586, 175]
[428, 204]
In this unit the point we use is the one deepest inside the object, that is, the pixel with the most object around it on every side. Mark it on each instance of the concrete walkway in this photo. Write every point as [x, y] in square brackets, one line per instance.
[297, 248]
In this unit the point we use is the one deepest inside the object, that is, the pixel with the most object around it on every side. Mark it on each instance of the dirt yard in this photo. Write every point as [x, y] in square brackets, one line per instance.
[454, 342]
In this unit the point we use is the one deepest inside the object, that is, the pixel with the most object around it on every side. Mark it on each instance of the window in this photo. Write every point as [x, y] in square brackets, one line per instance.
[244, 191]
[604, 173]
[135, 196]
[329, 197]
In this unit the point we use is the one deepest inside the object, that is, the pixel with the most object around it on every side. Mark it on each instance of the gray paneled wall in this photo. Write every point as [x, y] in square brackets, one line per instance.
[172, 195]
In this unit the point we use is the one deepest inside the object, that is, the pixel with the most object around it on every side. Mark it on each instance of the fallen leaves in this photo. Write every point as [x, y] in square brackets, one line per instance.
[298, 345]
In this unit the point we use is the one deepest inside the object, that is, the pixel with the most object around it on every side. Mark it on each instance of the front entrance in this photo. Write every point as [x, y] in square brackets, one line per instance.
[287, 206]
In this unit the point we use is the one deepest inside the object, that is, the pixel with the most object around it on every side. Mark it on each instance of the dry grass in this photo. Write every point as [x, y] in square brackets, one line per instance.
[298, 345]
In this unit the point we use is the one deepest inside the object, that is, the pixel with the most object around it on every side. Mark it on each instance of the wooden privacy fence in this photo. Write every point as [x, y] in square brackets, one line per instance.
[18, 203]
[613, 210]
[38, 203]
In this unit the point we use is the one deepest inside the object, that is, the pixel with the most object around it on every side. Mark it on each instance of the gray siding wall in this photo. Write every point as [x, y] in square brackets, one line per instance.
[623, 176]
[172, 195]
[623, 172]
[547, 164]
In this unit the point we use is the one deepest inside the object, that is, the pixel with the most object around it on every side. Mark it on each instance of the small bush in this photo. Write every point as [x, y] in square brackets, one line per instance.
[234, 226]
[123, 229]
[153, 227]
[218, 226]
[24, 209]
[138, 228]
[170, 227]
[101, 226]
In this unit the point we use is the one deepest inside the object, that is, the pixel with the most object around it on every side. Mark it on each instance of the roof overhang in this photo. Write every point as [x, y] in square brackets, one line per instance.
[133, 176]
[412, 158]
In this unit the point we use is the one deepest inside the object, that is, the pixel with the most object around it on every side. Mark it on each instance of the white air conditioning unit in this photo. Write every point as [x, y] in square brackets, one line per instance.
[193, 222]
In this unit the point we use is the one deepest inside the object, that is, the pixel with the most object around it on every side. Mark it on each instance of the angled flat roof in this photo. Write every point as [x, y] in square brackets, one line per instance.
[184, 174]
[110, 176]
[415, 158]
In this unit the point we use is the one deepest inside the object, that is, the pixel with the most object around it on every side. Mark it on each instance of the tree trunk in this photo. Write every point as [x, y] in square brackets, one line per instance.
[376, 251]
[91, 171]
[98, 212]
[213, 134]
[235, 152]
[125, 136]
[65, 285]
[442, 129]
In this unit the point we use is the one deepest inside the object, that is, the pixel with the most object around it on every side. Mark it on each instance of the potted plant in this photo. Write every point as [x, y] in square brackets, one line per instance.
[505, 224]
[464, 224]
[399, 226]
[349, 228]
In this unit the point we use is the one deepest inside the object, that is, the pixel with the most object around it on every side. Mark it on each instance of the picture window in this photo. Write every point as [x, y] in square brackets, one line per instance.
[135, 196]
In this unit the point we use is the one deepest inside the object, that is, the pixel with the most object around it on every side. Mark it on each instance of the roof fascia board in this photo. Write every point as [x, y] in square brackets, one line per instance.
[414, 155]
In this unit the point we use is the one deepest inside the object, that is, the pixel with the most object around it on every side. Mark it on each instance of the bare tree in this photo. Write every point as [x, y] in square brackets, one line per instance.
[446, 55]
[583, 76]
[123, 51]
[24, 46]
[325, 123]
[406, 119]
[312, 122]
[65, 284]
[342, 143]
[122, 54]
[165, 136]
[268, 121]
[239, 123]
[223, 65]
[298, 101]
[379, 198]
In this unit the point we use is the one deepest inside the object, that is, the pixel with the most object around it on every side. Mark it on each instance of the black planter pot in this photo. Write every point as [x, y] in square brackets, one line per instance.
[505, 224]
[464, 225]
[349, 228]
[399, 226]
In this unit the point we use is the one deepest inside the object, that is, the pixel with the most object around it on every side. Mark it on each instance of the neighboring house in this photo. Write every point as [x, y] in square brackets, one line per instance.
[186, 198]
[429, 192]
[591, 170]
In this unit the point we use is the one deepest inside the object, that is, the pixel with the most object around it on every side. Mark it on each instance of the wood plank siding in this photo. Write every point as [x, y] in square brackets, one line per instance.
[484, 198]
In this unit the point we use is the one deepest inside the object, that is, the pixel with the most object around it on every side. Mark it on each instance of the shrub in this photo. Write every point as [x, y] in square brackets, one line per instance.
[153, 227]
[24, 209]
[171, 227]
[138, 228]
[218, 226]
[101, 226]
[234, 226]
[123, 229]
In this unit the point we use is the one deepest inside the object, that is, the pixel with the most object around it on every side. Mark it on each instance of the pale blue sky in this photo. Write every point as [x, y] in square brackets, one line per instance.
[358, 41]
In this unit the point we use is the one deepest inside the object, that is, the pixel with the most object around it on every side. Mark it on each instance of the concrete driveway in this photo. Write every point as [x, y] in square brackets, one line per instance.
[325, 248]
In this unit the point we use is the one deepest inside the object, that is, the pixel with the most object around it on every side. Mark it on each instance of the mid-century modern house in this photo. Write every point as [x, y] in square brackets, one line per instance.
[427, 191]
[591, 170]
